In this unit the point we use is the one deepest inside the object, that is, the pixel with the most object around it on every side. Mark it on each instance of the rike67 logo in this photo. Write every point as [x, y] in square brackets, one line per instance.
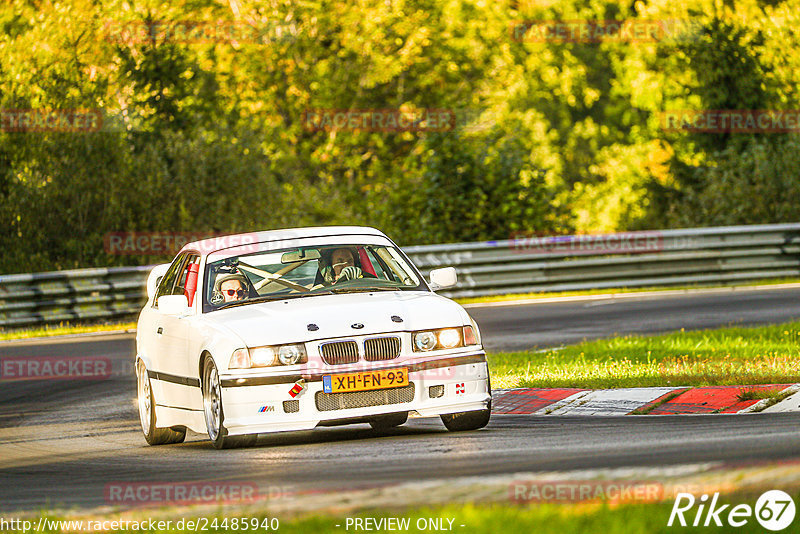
[774, 510]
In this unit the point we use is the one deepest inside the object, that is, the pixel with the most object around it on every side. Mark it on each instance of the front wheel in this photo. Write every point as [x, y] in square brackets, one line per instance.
[461, 421]
[147, 413]
[385, 422]
[215, 415]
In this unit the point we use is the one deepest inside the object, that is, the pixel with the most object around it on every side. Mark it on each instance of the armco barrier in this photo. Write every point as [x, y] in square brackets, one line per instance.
[720, 255]
[710, 256]
[84, 295]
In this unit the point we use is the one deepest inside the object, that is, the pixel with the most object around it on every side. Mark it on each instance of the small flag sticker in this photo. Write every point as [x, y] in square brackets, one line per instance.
[297, 388]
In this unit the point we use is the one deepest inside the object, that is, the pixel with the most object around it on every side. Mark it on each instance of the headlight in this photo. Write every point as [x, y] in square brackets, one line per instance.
[444, 338]
[449, 338]
[268, 356]
[424, 341]
[291, 354]
[263, 356]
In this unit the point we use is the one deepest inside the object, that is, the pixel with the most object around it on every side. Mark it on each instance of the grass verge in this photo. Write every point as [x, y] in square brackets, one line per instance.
[726, 356]
[772, 398]
[542, 518]
[62, 329]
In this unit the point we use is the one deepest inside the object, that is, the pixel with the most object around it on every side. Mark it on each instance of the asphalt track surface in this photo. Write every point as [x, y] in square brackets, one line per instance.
[62, 442]
[509, 328]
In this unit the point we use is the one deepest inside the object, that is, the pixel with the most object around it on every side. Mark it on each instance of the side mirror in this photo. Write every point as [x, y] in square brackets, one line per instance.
[154, 278]
[443, 278]
[173, 305]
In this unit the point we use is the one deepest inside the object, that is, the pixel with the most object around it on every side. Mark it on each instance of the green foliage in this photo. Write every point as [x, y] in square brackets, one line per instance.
[475, 189]
[757, 182]
[208, 133]
[732, 178]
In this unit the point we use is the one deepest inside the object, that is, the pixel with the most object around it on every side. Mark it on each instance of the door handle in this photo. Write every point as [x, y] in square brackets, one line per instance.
[160, 331]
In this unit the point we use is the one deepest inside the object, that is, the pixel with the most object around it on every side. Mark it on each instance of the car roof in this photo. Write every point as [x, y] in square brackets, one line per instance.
[222, 242]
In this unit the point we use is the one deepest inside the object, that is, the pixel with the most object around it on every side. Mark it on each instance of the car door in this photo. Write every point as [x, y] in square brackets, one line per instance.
[152, 345]
[177, 377]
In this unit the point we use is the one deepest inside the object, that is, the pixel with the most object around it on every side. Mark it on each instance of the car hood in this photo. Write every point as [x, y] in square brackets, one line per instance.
[287, 321]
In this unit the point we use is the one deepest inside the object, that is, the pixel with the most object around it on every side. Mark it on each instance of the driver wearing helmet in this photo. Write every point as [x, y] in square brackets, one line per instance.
[231, 287]
[339, 265]
[343, 263]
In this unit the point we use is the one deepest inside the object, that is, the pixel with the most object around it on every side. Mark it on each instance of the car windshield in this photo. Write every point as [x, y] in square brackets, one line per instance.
[306, 271]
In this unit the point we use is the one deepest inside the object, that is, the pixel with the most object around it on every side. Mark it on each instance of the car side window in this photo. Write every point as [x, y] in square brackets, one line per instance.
[180, 285]
[167, 285]
[187, 281]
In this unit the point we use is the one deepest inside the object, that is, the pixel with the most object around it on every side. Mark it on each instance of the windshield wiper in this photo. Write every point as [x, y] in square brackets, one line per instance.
[268, 298]
[290, 296]
[363, 289]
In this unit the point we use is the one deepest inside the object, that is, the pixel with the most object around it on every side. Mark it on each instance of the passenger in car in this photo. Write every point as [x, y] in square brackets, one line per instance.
[232, 287]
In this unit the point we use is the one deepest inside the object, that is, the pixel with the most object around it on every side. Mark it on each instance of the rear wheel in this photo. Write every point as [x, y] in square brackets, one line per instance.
[215, 415]
[386, 422]
[147, 412]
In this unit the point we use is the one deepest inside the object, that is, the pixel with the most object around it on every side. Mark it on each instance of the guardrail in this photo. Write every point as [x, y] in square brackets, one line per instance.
[84, 295]
[708, 256]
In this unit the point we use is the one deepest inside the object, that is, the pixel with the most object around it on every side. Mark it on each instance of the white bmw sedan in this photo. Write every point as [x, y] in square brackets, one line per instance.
[293, 329]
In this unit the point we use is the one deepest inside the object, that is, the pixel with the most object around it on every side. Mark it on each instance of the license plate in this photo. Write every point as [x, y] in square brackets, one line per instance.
[365, 381]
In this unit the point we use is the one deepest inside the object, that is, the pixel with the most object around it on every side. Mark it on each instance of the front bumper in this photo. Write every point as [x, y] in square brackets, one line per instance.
[436, 386]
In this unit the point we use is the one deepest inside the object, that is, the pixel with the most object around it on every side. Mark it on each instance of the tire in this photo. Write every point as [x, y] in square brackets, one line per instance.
[463, 421]
[386, 422]
[214, 413]
[147, 412]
